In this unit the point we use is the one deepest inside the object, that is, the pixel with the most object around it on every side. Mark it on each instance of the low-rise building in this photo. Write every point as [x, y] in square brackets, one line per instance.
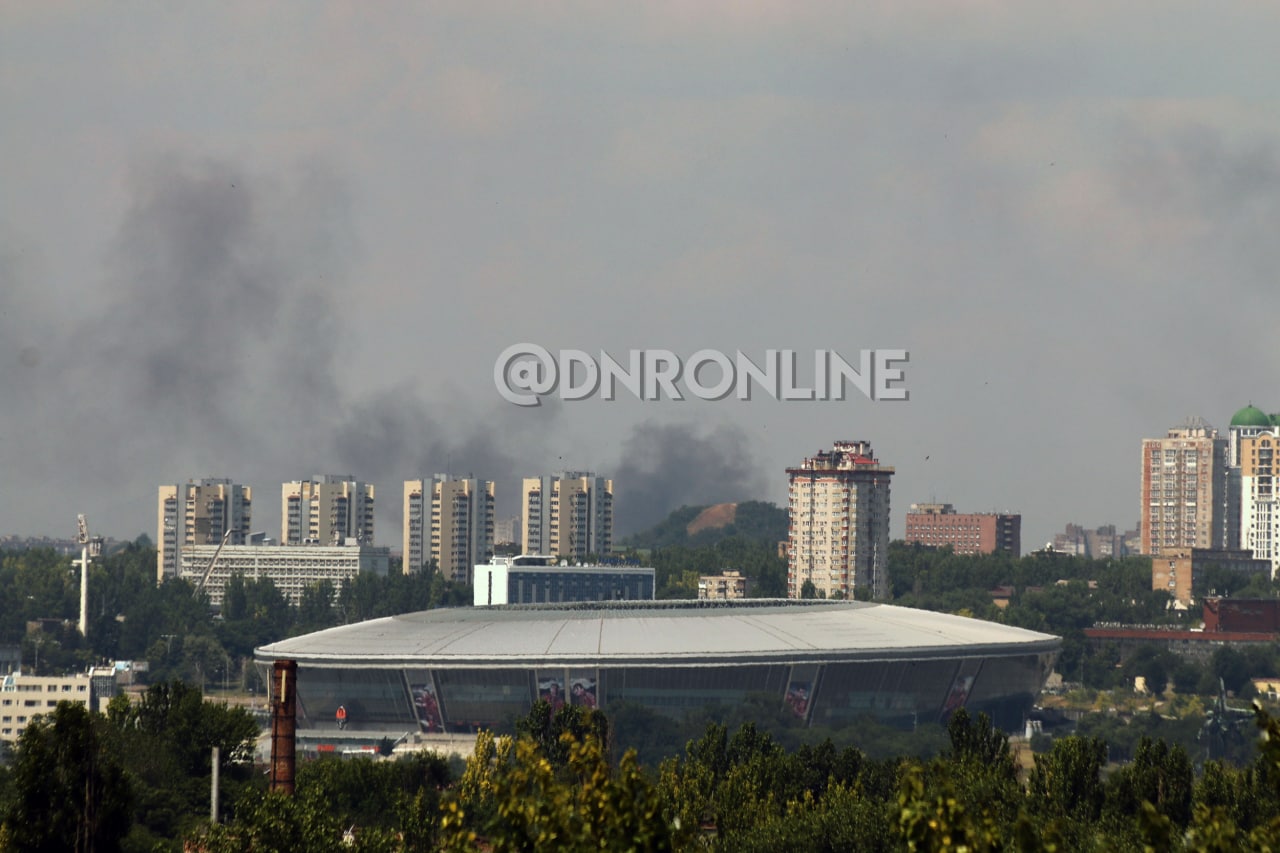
[726, 586]
[537, 579]
[1001, 595]
[1184, 572]
[24, 697]
[1250, 615]
[1194, 645]
[1227, 622]
[937, 525]
[292, 568]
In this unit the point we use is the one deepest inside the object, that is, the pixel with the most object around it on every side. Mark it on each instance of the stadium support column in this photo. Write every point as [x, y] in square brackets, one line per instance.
[284, 723]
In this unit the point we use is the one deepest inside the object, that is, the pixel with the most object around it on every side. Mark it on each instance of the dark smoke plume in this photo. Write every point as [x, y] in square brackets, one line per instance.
[216, 353]
[667, 466]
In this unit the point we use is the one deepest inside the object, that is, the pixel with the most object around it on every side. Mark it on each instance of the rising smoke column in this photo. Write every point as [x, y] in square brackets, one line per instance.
[665, 466]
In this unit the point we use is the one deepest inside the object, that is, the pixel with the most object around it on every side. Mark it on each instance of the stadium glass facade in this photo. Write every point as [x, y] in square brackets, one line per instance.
[507, 665]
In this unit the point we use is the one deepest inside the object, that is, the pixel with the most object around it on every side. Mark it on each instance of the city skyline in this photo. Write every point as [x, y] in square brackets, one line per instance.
[259, 240]
[264, 523]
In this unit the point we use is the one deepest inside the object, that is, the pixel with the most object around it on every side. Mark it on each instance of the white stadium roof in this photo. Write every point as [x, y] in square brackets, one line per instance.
[657, 633]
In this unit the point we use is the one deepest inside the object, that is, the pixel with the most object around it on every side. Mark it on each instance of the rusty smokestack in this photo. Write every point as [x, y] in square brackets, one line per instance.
[284, 725]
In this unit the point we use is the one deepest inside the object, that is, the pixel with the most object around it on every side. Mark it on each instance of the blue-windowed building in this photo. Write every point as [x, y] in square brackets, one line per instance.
[530, 579]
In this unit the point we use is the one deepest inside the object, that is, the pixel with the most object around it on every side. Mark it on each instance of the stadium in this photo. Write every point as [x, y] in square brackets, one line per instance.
[829, 662]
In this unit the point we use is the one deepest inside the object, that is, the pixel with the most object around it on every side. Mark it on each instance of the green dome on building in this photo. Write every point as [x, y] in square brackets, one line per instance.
[1251, 416]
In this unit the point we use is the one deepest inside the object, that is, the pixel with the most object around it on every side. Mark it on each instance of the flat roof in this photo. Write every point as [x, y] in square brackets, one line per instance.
[1183, 635]
[658, 633]
[556, 570]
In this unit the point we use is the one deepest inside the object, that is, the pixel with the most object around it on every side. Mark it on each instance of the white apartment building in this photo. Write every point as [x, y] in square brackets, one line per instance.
[1259, 514]
[292, 568]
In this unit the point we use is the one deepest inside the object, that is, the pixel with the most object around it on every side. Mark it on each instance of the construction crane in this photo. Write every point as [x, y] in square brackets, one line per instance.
[209, 570]
[90, 547]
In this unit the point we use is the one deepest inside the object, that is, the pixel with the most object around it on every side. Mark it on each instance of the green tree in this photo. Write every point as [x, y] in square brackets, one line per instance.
[584, 805]
[166, 741]
[554, 730]
[1232, 667]
[235, 599]
[277, 823]
[375, 793]
[980, 742]
[1066, 787]
[1153, 665]
[316, 608]
[933, 818]
[1159, 775]
[68, 789]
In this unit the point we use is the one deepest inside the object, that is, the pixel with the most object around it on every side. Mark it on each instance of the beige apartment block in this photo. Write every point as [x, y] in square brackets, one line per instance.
[568, 515]
[199, 512]
[24, 697]
[506, 531]
[449, 521]
[838, 505]
[326, 510]
[726, 586]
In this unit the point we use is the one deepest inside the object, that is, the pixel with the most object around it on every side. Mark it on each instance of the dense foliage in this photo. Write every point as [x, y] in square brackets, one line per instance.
[742, 777]
[136, 777]
[171, 625]
[555, 786]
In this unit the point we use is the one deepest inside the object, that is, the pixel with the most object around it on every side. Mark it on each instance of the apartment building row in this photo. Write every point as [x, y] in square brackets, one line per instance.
[330, 510]
[446, 520]
[1212, 494]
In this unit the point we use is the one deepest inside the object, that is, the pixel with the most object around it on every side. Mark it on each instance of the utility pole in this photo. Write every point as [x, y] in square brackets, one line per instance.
[90, 546]
[213, 794]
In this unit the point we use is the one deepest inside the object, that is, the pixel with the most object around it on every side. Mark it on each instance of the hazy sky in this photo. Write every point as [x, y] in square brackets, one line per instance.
[270, 240]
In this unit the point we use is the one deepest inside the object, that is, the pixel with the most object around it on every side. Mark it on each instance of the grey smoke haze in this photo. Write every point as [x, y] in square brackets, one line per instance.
[221, 297]
[393, 436]
[219, 351]
[665, 466]
[1066, 214]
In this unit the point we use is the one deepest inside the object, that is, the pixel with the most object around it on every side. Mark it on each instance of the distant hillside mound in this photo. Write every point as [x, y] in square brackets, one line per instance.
[707, 525]
[713, 516]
